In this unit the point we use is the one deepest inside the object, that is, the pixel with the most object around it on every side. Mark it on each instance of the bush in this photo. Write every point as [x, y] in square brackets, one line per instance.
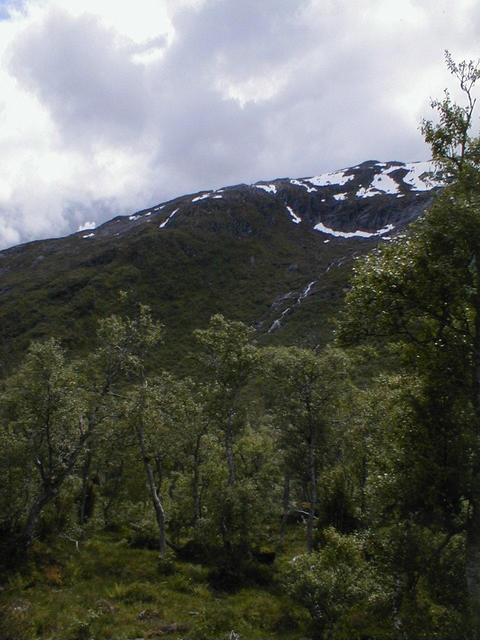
[338, 587]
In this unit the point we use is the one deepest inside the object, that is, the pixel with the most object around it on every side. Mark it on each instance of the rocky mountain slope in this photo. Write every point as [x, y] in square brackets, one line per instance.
[274, 254]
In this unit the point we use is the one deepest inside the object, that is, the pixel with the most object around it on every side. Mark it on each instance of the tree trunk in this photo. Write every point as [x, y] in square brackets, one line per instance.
[50, 489]
[33, 517]
[154, 494]
[472, 568]
[285, 507]
[472, 541]
[232, 478]
[158, 506]
[83, 515]
[112, 495]
[313, 489]
[197, 508]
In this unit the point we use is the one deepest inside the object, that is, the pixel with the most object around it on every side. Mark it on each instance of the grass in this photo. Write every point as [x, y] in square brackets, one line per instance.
[109, 591]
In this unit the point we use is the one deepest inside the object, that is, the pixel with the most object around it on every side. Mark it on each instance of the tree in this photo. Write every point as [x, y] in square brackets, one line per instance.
[229, 357]
[124, 345]
[240, 483]
[305, 388]
[53, 408]
[45, 419]
[166, 418]
[189, 433]
[422, 296]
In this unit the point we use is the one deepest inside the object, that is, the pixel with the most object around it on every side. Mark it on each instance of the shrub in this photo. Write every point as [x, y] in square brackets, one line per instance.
[338, 586]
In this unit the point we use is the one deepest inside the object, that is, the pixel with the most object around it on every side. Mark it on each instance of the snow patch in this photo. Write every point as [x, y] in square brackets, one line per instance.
[164, 223]
[352, 234]
[133, 218]
[381, 183]
[422, 176]
[296, 219]
[340, 196]
[202, 197]
[89, 235]
[364, 192]
[328, 179]
[298, 183]
[269, 188]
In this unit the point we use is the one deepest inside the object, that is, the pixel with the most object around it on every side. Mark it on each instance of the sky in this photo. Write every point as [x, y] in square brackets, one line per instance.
[111, 106]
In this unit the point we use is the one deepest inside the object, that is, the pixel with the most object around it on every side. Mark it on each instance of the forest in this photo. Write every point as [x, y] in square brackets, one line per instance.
[275, 492]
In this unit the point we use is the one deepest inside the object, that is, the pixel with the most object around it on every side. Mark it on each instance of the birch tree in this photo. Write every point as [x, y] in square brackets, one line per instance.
[421, 296]
[305, 388]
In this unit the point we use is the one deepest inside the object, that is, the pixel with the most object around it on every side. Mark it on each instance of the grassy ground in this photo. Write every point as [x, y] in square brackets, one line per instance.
[109, 591]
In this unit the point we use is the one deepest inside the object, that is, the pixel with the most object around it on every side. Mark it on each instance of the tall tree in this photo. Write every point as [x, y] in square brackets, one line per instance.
[121, 359]
[422, 295]
[305, 388]
[229, 357]
[45, 413]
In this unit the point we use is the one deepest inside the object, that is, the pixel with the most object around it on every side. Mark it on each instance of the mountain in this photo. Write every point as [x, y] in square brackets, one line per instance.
[274, 254]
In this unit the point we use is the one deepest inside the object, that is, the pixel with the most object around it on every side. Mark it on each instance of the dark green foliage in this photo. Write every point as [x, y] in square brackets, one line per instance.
[420, 299]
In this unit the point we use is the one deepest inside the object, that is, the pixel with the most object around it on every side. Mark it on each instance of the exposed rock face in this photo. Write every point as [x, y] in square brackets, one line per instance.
[368, 197]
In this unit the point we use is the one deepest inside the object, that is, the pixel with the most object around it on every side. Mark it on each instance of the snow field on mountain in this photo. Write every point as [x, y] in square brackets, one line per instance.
[330, 179]
[352, 234]
[296, 219]
[269, 188]
[164, 223]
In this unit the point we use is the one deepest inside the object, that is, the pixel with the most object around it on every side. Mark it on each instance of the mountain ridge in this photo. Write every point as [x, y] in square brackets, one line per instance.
[396, 178]
[276, 254]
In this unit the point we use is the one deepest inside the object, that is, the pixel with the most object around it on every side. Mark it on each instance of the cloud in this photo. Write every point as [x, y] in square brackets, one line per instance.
[109, 107]
[82, 73]
[88, 224]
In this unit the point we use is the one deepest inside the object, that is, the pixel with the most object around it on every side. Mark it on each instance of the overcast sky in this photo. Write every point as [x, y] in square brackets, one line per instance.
[109, 106]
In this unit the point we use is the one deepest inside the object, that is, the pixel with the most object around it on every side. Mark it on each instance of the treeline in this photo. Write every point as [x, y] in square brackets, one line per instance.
[370, 453]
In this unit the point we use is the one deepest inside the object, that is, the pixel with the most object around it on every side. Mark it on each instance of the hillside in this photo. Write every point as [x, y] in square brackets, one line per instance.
[274, 254]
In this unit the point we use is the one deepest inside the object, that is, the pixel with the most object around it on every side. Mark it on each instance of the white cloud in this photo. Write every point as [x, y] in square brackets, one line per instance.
[88, 224]
[108, 107]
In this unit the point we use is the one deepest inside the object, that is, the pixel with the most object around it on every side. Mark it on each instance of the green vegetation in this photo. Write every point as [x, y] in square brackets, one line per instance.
[109, 589]
[275, 491]
[208, 265]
